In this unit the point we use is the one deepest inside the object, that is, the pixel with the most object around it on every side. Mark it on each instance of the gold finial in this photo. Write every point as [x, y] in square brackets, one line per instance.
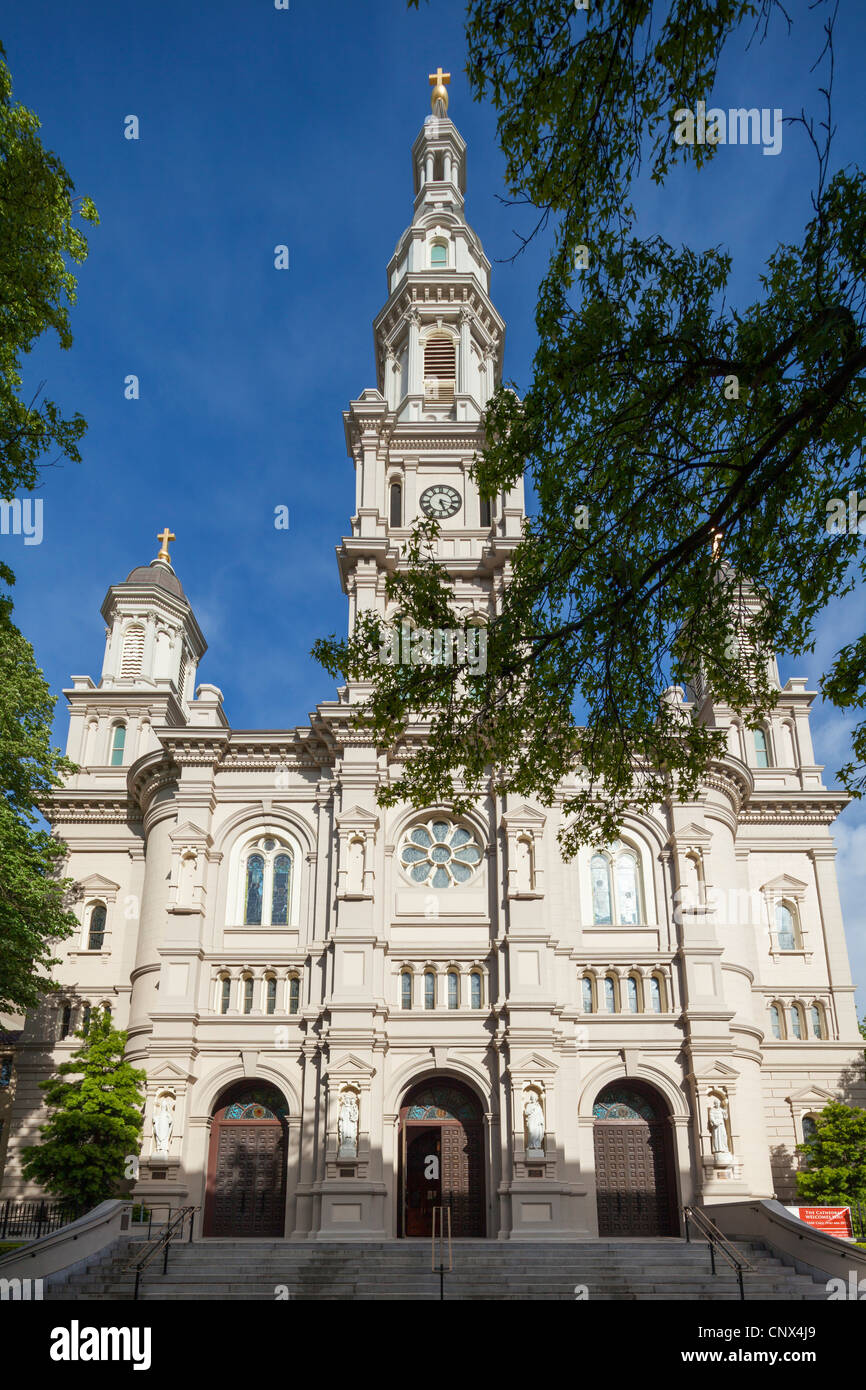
[165, 536]
[718, 537]
[439, 81]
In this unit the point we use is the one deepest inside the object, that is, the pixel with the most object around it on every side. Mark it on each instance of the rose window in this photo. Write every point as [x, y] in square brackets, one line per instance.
[440, 853]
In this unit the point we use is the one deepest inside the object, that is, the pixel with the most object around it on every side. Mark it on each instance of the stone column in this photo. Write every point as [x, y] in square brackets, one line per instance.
[160, 820]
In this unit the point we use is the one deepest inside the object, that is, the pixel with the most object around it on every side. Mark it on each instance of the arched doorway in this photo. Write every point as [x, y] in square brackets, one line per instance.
[441, 1158]
[246, 1172]
[634, 1165]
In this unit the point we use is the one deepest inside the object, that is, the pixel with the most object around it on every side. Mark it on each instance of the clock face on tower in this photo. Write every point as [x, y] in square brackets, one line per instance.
[439, 501]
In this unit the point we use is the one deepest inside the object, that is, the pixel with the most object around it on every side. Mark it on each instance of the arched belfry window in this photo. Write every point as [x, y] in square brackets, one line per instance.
[395, 505]
[615, 880]
[267, 873]
[762, 752]
[440, 367]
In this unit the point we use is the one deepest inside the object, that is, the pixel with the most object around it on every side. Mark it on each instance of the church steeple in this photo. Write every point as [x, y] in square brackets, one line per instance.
[439, 349]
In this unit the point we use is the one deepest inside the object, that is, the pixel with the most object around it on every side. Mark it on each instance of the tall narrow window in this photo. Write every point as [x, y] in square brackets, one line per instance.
[96, 931]
[85, 1018]
[280, 894]
[775, 1021]
[255, 881]
[439, 254]
[655, 995]
[440, 367]
[406, 989]
[66, 1021]
[631, 990]
[225, 994]
[118, 742]
[609, 995]
[396, 504]
[453, 990]
[132, 652]
[271, 995]
[810, 1129]
[817, 1021]
[475, 989]
[785, 928]
[486, 512]
[626, 889]
[429, 990]
[586, 992]
[762, 756]
[294, 994]
[796, 1021]
[600, 873]
[248, 995]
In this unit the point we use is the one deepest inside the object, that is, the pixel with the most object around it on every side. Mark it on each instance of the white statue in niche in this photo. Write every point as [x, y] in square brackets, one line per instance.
[717, 1120]
[534, 1117]
[347, 1125]
[163, 1122]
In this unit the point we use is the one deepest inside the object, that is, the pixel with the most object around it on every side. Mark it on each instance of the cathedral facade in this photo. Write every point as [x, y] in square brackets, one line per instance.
[349, 1016]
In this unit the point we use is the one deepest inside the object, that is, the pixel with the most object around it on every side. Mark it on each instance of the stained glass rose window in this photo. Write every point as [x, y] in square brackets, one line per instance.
[440, 853]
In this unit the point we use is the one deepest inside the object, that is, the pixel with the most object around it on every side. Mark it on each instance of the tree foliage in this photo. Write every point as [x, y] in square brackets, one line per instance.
[37, 212]
[96, 1102]
[835, 1157]
[682, 449]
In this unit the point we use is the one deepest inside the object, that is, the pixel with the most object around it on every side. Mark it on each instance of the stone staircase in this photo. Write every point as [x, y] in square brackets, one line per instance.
[493, 1270]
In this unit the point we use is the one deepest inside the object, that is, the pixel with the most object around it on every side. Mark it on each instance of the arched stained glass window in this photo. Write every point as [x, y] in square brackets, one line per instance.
[626, 889]
[453, 989]
[817, 1021]
[655, 995]
[294, 994]
[280, 895]
[796, 1021]
[618, 1102]
[586, 991]
[775, 1021]
[271, 995]
[475, 987]
[255, 885]
[225, 994]
[810, 1129]
[429, 990]
[248, 995]
[631, 989]
[406, 989]
[443, 1102]
[786, 928]
[601, 904]
[609, 995]
[118, 742]
[96, 932]
[762, 756]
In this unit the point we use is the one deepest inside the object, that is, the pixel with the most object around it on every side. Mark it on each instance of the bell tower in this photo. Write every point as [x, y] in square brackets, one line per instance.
[439, 345]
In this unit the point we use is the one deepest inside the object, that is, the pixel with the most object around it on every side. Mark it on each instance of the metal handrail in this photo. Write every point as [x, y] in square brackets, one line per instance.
[441, 1210]
[142, 1259]
[717, 1240]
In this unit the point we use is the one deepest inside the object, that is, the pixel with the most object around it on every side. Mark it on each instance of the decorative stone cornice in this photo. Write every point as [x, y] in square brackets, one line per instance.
[804, 808]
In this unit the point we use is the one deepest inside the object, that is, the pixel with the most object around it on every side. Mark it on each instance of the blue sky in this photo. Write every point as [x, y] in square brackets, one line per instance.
[260, 127]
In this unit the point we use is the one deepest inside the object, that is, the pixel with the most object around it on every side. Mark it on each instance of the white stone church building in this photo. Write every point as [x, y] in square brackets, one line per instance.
[350, 1016]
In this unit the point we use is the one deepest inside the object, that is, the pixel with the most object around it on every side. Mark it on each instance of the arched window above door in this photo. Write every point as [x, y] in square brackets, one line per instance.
[616, 892]
[266, 882]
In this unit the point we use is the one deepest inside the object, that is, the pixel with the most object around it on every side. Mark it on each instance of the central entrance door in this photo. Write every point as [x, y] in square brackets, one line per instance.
[442, 1159]
[246, 1181]
[634, 1178]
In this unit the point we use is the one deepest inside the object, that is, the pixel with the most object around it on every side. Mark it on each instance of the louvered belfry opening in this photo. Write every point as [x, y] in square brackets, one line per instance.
[133, 651]
[440, 368]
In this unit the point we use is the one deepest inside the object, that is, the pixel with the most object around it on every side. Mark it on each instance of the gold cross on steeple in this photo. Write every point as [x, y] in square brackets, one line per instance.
[439, 81]
[165, 536]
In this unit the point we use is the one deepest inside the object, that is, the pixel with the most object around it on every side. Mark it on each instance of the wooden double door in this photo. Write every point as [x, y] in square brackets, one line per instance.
[246, 1185]
[442, 1161]
[634, 1178]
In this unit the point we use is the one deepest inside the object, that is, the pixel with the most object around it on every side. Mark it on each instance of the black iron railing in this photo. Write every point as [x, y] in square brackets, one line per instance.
[718, 1243]
[173, 1231]
[39, 1217]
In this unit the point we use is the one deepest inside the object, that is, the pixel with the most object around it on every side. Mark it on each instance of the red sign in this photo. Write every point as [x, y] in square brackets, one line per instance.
[834, 1221]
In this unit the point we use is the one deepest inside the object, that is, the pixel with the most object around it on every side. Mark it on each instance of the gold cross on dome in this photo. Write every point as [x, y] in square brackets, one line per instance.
[164, 536]
[439, 81]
